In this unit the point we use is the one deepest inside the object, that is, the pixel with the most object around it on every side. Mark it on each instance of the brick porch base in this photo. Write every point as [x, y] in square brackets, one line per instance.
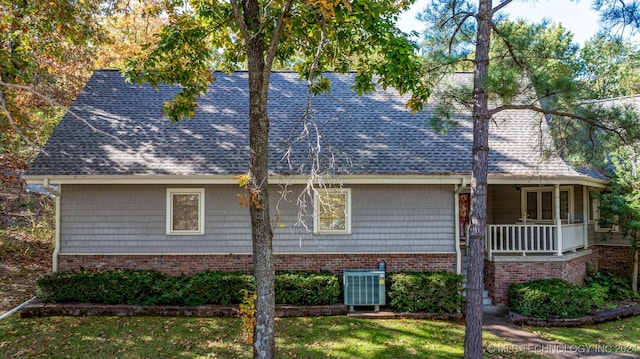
[504, 270]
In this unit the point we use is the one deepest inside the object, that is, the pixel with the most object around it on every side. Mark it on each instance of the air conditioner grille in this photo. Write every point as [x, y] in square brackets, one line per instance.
[364, 287]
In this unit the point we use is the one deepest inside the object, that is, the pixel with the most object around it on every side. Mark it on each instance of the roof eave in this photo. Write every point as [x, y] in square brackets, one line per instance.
[453, 179]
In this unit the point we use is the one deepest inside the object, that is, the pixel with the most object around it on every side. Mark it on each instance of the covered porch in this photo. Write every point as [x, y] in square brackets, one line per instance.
[536, 220]
[535, 231]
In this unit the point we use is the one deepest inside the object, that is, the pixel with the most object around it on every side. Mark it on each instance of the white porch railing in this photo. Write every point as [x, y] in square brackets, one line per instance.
[532, 238]
[572, 236]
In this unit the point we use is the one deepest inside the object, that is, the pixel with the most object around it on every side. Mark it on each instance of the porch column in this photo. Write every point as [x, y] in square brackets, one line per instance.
[585, 216]
[456, 228]
[556, 210]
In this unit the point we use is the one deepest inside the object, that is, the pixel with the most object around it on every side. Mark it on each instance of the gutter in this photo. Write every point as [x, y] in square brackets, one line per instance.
[56, 250]
[456, 221]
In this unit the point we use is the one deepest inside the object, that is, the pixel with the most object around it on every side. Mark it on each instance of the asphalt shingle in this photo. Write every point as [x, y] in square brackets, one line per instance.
[366, 135]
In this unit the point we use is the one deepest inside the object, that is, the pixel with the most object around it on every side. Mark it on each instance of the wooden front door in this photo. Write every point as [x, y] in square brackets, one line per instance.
[464, 204]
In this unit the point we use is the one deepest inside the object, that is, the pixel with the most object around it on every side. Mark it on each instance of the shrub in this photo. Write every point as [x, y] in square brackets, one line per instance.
[108, 287]
[151, 287]
[618, 288]
[433, 292]
[547, 298]
[307, 288]
[222, 288]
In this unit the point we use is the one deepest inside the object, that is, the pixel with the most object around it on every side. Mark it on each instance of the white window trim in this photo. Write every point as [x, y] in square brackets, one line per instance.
[596, 218]
[539, 190]
[201, 207]
[316, 211]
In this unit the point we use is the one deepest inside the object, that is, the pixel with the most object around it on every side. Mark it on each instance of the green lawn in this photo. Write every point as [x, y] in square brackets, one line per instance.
[163, 337]
[623, 335]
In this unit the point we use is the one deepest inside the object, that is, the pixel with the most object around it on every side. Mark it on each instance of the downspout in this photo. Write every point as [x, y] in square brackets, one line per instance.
[456, 230]
[56, 250]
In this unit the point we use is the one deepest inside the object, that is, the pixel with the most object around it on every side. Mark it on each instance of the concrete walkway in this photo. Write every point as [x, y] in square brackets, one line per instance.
[495, 321]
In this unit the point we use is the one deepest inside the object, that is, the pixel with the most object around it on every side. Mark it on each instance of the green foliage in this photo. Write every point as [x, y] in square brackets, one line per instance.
[610, 67]
[618, 15]
[617, 288]
[223, 288]
[150, 288]
[112, 287]
[307, 288]
[316, 36]
[433, 292]
[548, 298]
[620, 204]
[44, 61]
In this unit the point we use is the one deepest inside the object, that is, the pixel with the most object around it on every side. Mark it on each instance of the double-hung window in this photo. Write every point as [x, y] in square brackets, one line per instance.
[332, 211]
[538, 203]
[185, 211]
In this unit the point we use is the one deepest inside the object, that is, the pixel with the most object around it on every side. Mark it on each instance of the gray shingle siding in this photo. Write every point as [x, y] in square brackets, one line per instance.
[112, 219]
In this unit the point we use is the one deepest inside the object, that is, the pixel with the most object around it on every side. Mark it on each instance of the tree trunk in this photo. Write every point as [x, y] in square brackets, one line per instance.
[262, 234]
[481, 118]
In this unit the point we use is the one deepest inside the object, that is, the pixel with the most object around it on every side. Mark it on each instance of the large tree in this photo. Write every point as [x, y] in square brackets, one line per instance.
[43, 57]
[518, 66]
[620, 203]
[610, 67]
[311, 35]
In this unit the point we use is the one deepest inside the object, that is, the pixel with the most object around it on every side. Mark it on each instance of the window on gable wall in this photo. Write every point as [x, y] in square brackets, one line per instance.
[537, 203]
[185, 211]
[332, 211]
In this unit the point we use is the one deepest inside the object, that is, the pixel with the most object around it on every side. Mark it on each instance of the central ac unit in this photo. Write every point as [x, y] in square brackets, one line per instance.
[364, 288]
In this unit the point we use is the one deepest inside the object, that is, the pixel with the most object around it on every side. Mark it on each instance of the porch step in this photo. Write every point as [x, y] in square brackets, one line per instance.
[486, 300]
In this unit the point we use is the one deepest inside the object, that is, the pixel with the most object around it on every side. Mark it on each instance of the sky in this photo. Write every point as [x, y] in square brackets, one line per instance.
[576, 17]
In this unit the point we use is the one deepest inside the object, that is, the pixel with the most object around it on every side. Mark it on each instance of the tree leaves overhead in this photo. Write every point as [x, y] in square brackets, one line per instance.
[610, 67]
[43, 63]
[125, 31]
[317, 36]
[618, 16]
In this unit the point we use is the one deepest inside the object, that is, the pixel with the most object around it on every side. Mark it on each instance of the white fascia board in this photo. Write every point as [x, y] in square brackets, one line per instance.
[143, 179]
[375, 179]
[454, 179]
[541, 181]
[231, 179]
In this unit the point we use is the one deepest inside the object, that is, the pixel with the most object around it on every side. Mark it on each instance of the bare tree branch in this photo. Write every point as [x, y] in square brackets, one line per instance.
[54, 103]
[500, 6]
[13, 124]
[275, 40]
[240, 20]
[570, 115]
[458, 28]
[508, 44]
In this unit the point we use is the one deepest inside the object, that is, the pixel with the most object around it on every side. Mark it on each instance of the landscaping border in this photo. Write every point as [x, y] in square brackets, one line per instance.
[37, 308]
[602, 316]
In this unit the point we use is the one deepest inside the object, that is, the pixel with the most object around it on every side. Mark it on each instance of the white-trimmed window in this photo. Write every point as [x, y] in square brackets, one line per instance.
[332, 211]
[594, 216]
[538, 203]
[185, 211]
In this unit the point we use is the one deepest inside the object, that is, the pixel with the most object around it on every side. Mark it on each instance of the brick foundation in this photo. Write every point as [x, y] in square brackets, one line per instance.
[188, 264]
[614, 259]
[503, 271]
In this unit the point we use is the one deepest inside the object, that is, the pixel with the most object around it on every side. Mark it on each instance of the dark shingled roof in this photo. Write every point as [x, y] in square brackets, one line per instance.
[370, 135]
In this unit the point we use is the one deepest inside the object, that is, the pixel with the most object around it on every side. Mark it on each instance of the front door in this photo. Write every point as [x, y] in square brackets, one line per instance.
[464, 204]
